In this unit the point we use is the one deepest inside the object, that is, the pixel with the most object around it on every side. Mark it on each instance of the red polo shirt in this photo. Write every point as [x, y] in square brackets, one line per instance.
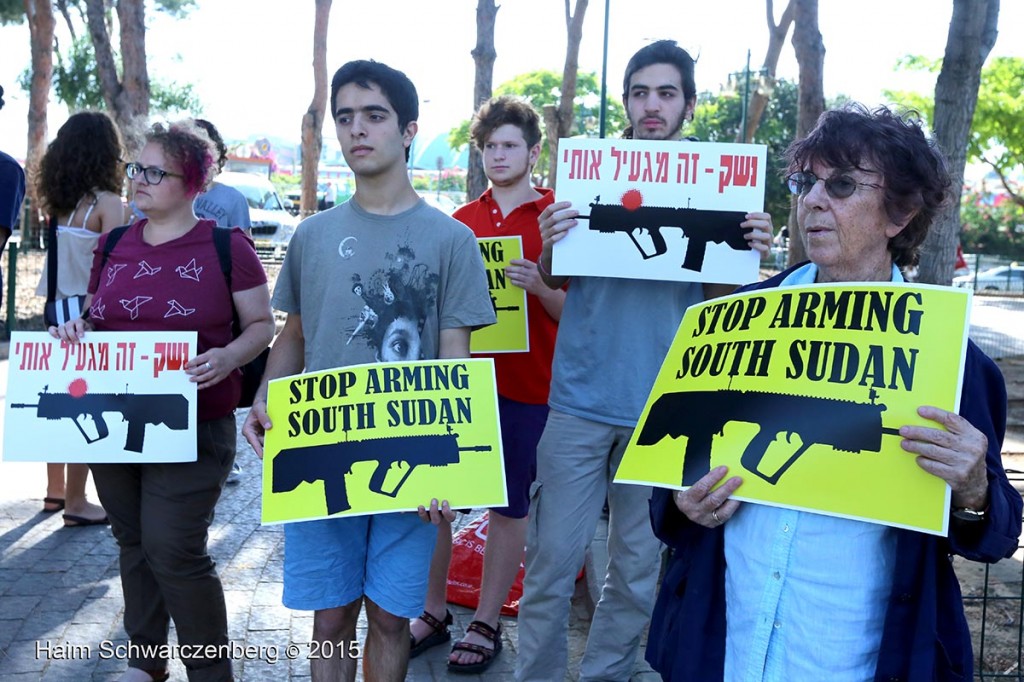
[524, 377]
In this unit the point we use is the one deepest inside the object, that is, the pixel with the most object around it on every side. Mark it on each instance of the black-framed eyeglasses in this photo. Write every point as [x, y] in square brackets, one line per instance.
[152, 174]
[838, 186]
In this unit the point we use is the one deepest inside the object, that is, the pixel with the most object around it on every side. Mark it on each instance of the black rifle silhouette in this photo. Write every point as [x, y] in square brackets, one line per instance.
[844, 424]
[170, 409]
[494, 304]
[331, 462]
[699, 226]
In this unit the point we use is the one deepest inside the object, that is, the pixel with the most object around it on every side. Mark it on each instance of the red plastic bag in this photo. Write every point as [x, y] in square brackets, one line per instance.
[468, 565]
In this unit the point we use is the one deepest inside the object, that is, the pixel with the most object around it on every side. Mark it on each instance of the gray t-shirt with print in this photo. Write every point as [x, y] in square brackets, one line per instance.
[612, 338]
[380, 288]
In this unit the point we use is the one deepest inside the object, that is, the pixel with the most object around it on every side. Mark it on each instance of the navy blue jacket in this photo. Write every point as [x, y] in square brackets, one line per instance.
[925, 637]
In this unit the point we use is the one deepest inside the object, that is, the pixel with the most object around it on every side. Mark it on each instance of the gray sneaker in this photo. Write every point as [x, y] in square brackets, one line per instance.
[235, 477]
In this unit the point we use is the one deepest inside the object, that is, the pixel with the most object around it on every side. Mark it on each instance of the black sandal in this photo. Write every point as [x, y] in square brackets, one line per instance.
[483, 629]
[439, 634]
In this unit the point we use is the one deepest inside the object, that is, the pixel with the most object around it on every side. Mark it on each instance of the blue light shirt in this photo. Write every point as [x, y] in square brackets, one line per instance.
[806, 594]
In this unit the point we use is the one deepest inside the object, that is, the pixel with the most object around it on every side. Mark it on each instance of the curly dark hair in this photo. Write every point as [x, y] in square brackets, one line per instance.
[86, 156]
[188, 145]
[914, 170]
[505, 110]
[218, 141]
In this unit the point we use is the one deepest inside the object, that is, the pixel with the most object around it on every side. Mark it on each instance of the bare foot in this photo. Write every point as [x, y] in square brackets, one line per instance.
[86, 510]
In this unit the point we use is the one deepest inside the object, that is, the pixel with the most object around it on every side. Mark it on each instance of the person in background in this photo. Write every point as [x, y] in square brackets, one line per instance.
[507, 132]
[612, 338]
[224, 205]
[330, 195]
[754, 592]
[382, 277]
[12, 193]
[227, 207]
[160, 513]
[79, 184]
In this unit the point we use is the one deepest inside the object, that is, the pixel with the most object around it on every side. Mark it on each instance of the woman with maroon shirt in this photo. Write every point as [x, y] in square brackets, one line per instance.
[163, 274]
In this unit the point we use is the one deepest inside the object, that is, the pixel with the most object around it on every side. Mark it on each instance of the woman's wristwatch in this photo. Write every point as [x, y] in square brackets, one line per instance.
[968, 515]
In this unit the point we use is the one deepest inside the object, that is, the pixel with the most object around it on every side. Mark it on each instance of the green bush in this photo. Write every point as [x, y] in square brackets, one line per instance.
[992, 225]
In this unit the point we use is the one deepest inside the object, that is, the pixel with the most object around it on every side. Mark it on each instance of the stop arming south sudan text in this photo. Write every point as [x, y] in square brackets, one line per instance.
[836, 362]
[379, 380]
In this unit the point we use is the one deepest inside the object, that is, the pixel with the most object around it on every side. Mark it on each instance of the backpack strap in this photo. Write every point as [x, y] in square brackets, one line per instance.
[222, 242]
[51, 260]
[113, 237]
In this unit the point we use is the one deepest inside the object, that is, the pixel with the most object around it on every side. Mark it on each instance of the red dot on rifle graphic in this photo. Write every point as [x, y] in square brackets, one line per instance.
[632, 199]
[78, 388]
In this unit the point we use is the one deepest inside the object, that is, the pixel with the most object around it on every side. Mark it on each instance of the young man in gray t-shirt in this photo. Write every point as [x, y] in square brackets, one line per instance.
[382, 277]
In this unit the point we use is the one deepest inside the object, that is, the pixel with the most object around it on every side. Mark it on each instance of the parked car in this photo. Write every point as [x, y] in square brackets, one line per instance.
[270, 221]
[1008, 278]
[439, 201]
[294, 197]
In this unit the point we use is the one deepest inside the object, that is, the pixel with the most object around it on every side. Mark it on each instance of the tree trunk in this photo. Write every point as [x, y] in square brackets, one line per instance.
[131, 16]
[313, 119]
[484, 55]
[563, 115]
[127, 98]
[62, 7]
[106, 69]
[41, 24]
[810, 57]
[972, 32]
[776, 39]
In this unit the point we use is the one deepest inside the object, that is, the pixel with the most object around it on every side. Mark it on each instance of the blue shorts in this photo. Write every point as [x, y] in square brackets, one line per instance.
[521, 427]
[333, 562]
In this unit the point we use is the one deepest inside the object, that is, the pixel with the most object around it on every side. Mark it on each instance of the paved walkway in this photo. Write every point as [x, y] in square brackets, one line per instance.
[60, 598]
[61, 605]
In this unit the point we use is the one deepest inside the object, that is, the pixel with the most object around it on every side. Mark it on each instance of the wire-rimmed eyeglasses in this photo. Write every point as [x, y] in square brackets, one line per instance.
[838, 186]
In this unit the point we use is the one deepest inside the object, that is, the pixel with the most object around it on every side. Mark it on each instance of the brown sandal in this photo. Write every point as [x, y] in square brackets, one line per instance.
[483, 629]
[439, 634]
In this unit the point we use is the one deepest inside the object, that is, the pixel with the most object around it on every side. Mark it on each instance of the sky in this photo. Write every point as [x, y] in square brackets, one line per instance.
[250, 61]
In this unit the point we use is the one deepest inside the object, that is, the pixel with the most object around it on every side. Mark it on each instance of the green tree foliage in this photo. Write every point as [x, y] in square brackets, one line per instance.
[75, 83]
[718, 117]
[178, 9]
[997, 131]
[543, 88]
[12, 11]
[992, 225]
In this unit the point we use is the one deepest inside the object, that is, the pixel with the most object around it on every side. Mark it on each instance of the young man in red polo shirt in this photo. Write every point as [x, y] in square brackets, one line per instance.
[507, 132]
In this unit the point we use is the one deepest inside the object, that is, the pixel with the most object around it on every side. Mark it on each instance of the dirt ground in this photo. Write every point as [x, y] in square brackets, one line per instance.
[995, 622]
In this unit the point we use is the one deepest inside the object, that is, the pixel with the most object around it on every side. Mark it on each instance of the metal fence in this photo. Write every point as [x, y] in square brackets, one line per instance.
[996, 615]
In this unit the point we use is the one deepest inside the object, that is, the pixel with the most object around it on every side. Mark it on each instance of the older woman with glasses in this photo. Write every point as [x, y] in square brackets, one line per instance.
[762, 593]
[161, 513]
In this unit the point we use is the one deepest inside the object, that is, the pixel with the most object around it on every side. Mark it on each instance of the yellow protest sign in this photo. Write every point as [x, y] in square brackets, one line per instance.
[801, 391]
[511, 333]
[383, 437]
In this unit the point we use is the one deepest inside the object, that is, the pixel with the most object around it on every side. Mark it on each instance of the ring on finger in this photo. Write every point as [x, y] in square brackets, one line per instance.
[714, 515]
[208, 366]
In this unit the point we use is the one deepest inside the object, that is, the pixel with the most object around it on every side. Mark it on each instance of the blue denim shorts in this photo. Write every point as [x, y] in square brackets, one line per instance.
[521, 427]
[333, 562]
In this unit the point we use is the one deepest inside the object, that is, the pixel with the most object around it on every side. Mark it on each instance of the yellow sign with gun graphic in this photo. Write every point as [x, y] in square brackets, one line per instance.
[511, 333]
[801, 391]
[385, 437]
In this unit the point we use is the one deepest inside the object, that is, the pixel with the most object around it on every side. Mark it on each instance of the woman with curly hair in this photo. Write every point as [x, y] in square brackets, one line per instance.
[160, 513]
[79, 183]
